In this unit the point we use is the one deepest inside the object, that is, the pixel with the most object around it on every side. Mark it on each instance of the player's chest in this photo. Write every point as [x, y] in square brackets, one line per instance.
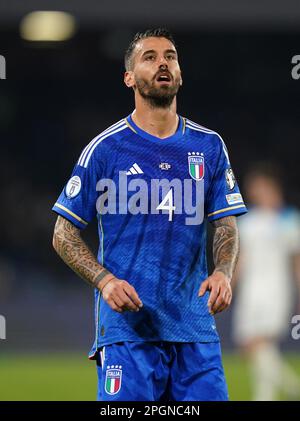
[156, 179]
[184, 162]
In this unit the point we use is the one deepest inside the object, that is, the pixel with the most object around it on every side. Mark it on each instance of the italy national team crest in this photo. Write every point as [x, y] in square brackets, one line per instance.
[196, 165]
[113, 379]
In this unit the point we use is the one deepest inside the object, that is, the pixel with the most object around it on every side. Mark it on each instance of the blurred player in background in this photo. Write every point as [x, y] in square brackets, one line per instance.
[156, 337]
[269, 259]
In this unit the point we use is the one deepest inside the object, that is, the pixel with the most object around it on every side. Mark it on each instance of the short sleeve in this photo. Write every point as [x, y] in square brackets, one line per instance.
[224, 197]
[77, 201]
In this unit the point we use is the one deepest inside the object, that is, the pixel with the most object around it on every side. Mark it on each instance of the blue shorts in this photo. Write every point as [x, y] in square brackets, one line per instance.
[161, 371]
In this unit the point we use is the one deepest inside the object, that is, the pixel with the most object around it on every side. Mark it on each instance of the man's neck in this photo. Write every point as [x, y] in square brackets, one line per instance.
[159, 122]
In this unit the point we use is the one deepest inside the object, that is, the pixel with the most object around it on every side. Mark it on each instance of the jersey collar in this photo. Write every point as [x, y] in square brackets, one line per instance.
[177, 135]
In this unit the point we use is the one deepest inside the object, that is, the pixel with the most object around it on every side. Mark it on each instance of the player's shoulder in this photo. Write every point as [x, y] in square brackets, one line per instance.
[199, 130]
[110, 134]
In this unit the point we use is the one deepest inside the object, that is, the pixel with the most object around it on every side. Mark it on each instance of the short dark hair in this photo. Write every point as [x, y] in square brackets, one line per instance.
[158, 32]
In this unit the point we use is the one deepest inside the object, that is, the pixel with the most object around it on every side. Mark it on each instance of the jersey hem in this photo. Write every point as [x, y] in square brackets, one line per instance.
[93, 354]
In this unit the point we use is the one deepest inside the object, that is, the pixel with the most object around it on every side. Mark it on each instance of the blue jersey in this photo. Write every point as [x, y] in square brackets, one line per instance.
[152, 198]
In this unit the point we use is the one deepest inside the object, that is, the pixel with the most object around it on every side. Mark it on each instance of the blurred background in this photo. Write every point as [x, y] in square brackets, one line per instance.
[64, 85]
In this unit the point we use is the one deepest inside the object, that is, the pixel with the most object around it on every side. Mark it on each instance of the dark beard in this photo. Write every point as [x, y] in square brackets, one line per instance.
[157, 97]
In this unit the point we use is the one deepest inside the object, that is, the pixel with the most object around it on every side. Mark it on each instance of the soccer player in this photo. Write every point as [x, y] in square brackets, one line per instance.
[270, 258]
[153, 179]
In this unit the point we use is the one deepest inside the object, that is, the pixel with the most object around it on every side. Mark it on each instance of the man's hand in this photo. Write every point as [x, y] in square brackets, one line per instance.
[121, 296]
[220, 292]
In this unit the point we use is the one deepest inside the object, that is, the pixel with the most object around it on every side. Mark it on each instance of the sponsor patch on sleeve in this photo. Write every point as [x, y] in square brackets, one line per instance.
[234, 198]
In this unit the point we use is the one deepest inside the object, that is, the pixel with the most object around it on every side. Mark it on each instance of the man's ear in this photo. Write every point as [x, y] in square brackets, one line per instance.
[129, 79]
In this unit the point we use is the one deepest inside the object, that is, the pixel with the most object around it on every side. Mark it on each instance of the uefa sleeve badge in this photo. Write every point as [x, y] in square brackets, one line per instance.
[73, 187]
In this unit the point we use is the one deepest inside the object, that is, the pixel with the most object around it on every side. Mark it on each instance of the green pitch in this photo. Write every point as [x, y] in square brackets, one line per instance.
[73, 377]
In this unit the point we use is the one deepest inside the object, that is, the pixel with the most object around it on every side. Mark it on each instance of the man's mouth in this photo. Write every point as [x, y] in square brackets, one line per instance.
[163, 77]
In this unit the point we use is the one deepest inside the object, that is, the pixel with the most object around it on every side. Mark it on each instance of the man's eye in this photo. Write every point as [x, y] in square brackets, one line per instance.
[170, 57]
[149, 57]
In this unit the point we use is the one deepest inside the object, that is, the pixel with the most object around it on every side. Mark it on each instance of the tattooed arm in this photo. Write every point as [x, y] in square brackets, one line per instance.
[225, 245]
[69, 245]
[225, 253]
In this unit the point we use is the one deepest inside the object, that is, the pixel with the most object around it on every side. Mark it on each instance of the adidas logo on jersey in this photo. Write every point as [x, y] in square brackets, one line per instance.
[135, 169]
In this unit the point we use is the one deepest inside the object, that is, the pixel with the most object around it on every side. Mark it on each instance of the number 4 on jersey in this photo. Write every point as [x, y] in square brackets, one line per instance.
[167, 204]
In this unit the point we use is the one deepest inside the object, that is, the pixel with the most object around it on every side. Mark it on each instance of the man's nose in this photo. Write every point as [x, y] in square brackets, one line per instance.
[163, 62]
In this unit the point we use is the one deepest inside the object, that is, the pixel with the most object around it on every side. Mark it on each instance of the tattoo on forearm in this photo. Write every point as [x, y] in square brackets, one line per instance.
[75, 253]
[226, 245]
